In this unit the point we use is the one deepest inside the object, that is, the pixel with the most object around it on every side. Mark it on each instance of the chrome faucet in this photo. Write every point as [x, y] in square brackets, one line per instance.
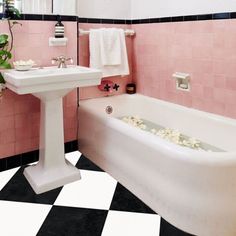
[61, 61]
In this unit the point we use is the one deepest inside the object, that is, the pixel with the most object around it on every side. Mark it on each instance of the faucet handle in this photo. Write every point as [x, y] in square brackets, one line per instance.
[107, 87]
[70, 60]
[54, 60]
[116, 87]
[62, 61]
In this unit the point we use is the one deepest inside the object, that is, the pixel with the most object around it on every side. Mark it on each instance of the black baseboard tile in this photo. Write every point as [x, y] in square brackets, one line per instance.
[14, 161]
[30, 157]
[71, 146]
[3, 164]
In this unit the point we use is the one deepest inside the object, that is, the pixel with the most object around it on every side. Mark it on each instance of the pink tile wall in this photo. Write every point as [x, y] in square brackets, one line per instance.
[205, 49]
[19, 115]
[92, 92]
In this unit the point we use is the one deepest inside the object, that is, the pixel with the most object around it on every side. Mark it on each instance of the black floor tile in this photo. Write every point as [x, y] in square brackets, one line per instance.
[85, 164]
[69, 221]
[124, 200]
[18, 189]
[167, 229]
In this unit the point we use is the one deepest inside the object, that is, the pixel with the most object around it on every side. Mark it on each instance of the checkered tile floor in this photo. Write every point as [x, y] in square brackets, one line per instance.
[93, 206]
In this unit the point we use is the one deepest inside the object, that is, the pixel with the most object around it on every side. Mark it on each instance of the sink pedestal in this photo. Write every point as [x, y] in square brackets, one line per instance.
[50, 85]
[52, 170]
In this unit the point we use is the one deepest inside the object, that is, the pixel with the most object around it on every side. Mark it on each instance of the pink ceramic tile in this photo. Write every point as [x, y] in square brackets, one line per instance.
[204, 49]
[230, 83]
[208, 93]
[219, 81]
[23, 146]
[7, 150]
[7, 136]
[7, 122]
[23, 133]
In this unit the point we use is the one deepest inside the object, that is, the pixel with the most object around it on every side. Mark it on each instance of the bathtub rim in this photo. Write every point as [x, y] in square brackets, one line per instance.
[213, 116]
[156, 142]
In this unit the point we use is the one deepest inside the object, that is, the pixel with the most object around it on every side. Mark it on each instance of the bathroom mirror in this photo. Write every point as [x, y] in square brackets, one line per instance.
[61, 7]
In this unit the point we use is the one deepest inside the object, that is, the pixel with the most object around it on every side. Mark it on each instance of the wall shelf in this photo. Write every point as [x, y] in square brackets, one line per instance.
[57, 42]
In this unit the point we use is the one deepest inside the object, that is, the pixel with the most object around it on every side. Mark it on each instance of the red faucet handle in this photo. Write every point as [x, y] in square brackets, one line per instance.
[106, 85]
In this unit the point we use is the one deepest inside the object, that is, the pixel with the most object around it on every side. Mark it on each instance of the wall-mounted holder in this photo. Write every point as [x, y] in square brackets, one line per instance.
[57, 42]
[182, 81]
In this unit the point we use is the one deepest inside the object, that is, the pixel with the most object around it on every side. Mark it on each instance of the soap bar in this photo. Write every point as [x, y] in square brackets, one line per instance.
[183, 86]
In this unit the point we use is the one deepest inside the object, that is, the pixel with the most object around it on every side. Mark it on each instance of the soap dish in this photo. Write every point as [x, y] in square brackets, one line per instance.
[23, 65]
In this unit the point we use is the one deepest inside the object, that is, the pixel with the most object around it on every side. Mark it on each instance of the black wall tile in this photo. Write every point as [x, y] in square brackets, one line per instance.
[94, 20]
[190, 18]
[118, 21]
[32, 17]
[205, 17]
[165, 19]
[50, 17]
[154, 20]
[219, 16]
[177, 18]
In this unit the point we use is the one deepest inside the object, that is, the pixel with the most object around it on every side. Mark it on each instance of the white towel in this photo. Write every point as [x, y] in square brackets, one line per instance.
[110, 46]
[99, 45]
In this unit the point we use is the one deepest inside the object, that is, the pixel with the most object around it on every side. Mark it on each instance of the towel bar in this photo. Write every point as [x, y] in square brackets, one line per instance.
[128, 32]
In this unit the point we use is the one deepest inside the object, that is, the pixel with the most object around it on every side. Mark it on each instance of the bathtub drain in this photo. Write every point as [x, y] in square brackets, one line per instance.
[109, 109]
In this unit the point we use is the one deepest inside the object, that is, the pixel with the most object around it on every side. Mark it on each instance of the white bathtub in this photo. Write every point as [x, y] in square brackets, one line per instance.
[193, 190]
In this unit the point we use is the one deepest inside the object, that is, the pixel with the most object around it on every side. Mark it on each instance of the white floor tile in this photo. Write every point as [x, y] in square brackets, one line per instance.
[22, 218]
[94, 190]
[73, 157]
[5, 176]
[126, 223]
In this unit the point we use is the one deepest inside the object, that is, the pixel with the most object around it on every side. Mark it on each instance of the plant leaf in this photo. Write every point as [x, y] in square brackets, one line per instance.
[5, 53]
[3, 39]
[5, 65]
[2, 81]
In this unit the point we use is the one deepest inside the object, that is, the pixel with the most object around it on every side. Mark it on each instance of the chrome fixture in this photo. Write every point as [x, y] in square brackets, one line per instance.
[61, 61]
[109, 109]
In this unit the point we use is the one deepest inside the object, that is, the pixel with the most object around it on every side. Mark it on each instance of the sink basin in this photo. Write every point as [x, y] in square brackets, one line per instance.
[50, 85]
[51, 78]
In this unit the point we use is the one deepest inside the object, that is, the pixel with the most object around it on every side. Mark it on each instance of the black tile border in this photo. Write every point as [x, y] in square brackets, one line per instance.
[30, 157]
[214, 16]
[39, 17]
[200, 17]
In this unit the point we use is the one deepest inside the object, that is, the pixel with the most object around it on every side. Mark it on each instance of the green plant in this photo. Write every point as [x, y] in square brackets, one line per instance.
[5, 54]
[6, 41]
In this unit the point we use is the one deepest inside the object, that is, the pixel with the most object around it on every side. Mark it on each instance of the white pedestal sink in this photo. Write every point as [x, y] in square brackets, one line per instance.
[50, 85]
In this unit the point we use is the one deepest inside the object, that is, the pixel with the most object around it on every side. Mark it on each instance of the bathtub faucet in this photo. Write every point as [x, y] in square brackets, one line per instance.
[108, 86]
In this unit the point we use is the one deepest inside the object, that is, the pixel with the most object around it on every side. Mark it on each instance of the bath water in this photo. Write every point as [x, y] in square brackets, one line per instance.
[150, 126]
